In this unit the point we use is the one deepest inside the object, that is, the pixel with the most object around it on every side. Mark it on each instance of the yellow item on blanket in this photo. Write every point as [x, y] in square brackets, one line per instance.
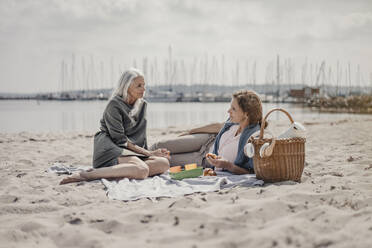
[190, 166]
[175, 169]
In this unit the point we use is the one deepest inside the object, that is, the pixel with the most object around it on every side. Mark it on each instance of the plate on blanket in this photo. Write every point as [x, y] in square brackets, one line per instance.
[187, 174]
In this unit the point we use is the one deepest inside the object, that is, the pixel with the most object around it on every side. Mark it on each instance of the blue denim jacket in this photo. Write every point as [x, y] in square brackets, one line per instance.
[241, 160]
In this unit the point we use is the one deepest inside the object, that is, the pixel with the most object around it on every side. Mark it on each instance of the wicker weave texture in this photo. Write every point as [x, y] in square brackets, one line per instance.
[286, 163]
[287, 160]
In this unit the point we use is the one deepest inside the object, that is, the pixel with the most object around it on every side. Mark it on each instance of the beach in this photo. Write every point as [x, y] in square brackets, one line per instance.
[331, 207]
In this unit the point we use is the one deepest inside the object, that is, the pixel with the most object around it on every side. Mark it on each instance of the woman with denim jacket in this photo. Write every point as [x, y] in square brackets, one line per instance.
[245, 117]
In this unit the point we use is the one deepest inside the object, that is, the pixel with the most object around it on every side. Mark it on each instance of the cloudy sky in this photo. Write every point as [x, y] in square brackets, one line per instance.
[37, 35]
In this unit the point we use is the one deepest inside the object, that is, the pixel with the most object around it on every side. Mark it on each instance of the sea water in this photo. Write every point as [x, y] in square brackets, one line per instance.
[50, 116]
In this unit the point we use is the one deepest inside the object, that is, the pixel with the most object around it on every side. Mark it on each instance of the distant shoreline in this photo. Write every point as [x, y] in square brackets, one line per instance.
[353, 104]
[347, 111]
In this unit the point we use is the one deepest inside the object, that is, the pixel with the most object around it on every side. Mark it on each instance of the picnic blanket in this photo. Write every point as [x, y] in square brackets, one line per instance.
[163, 186]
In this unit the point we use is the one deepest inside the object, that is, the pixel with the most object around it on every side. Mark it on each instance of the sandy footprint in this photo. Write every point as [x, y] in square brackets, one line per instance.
[5, 199]
[114, 227]
[25, 162]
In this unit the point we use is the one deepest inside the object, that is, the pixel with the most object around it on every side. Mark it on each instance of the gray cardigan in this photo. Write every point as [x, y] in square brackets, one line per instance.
[117, 128]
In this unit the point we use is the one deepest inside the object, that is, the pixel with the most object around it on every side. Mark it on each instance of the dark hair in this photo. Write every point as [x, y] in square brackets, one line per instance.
[250, 103]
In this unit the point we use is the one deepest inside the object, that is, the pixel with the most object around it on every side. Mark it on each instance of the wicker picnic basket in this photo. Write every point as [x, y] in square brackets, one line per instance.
[287, 159]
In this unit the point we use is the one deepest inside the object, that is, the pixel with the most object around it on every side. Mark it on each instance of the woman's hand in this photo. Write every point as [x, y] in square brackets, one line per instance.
[161, 153]
[218, 162]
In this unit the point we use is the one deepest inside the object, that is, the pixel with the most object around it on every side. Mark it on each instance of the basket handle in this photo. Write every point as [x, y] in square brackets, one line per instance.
[267, 115]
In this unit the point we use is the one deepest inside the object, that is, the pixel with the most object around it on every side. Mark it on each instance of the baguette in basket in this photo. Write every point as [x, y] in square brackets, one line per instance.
[295, 130]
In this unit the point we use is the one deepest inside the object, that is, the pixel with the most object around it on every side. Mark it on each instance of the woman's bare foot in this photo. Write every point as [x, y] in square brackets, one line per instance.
[73, 179]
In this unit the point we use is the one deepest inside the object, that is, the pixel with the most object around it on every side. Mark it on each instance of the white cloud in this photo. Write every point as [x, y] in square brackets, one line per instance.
[36, 35]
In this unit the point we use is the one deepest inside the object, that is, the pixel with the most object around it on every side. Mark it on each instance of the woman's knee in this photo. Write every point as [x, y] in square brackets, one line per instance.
[162, 163]
[142, 171]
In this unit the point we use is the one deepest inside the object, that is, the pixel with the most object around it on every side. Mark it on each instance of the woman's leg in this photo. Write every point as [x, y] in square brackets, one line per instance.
[183, 144]
[187, 149]
[157, 165]
[129, 167]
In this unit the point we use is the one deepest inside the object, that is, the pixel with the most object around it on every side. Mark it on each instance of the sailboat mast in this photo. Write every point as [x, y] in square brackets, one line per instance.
[170, 64]
[62, 77]
[349, 73]
[72, 73]
[237, 73]
[83, 76]
[112, 72]
[277, 76]
[223, 69]
[254, 69]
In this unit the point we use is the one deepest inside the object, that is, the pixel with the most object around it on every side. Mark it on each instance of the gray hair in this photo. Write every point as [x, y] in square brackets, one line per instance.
[126, 79]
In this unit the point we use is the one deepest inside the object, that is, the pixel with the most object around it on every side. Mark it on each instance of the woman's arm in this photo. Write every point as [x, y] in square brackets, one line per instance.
[220, 162]
[159, 152]
[138, 149]
[235, 169]
[112, 117]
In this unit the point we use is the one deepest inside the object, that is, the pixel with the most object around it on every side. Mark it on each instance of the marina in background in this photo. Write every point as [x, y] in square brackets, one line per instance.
[209, 79]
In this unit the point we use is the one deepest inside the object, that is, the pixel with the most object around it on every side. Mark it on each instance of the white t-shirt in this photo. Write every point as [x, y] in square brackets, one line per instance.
[228, 147]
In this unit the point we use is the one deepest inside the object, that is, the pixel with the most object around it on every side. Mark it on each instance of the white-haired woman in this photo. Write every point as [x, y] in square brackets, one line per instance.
[120, 147]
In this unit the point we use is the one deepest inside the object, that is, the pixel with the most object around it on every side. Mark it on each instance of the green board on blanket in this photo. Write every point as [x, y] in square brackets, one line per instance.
[187, 174]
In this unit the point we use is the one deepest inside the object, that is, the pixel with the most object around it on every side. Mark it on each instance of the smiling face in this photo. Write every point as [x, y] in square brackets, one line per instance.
[137, 89]
[236, 113]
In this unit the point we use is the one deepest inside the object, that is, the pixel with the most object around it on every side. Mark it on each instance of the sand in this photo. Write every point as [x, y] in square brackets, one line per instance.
[332, 207]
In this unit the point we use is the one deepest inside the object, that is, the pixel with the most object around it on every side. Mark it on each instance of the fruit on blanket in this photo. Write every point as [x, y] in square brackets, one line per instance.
[212, 173]
[175, 169]
[211, 155]
[209, 172]
[190, 166]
